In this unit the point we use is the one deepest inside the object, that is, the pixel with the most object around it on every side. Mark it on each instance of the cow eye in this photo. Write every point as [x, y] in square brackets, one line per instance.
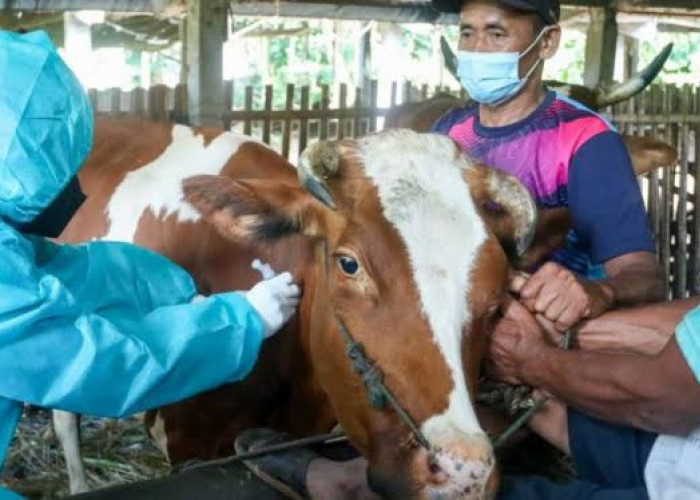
[348, 265]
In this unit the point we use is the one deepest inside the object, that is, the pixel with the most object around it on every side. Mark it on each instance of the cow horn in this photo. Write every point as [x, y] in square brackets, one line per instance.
[635, 84]
[516, 200]
[317, 163]
[451, 61]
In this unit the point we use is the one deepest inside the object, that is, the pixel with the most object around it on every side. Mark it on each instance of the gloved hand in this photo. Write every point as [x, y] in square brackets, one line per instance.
[275, 300]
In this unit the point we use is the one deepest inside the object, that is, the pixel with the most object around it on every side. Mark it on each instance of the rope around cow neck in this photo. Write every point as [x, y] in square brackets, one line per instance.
[377, 392]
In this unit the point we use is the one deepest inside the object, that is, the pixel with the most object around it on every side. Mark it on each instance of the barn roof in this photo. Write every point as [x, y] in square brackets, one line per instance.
[153, 24]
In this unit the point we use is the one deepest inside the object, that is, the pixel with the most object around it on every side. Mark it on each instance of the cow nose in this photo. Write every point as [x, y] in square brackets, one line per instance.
[460, 469]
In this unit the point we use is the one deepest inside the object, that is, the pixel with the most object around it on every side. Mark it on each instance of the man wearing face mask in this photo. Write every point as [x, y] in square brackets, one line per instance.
[565, 154]
[103, 328]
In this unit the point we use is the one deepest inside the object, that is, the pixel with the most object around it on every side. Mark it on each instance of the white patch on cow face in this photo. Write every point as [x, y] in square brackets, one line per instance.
[158, 185]
[422, 192]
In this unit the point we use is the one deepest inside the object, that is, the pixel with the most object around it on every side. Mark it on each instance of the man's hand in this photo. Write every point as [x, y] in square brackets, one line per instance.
[559, 296]
[516, 340]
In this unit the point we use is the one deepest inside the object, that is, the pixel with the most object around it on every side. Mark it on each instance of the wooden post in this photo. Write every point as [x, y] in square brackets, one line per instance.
[601, 44]
[631, 56]
[363, 60]
[206, 34]
[182, 28]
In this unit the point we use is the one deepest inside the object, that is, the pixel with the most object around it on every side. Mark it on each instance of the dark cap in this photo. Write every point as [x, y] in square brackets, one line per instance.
[547, 9]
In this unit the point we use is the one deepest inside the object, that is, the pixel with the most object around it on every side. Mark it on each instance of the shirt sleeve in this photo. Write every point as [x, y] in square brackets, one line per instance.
[605, 201]
[688, 338]
[449, 119]
[107, 328]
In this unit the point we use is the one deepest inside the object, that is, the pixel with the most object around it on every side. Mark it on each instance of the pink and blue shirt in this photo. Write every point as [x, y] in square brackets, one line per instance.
[567, 156]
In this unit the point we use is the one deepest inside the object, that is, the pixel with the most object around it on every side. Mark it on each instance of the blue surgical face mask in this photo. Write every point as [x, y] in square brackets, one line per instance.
[492, 78]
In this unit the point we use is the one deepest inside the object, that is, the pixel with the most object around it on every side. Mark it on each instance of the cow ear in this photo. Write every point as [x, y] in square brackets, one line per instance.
[249, 209]
[552, 227]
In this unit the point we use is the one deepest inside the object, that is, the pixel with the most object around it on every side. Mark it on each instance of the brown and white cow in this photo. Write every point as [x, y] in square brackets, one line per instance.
[407, 208]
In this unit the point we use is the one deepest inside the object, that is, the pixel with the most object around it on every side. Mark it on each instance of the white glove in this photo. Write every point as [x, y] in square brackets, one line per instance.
[263, 268]
[198, 298]
[275, 300]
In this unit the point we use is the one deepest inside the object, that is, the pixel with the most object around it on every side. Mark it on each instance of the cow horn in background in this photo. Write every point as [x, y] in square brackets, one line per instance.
[603, 96]
[635, 84]
[317, 163]
[495, 186]
[449, 57]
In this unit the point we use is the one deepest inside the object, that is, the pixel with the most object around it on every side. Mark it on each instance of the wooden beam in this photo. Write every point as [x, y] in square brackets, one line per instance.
[637, 4]
[108, 5]
[601, 44]
[206, 34]
[415, 12]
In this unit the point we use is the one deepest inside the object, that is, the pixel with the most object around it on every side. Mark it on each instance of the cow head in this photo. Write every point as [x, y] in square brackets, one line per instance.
[410, 255]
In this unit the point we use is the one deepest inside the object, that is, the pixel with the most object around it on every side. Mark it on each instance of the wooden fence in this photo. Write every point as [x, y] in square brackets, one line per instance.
[308, 114]
[672, 195]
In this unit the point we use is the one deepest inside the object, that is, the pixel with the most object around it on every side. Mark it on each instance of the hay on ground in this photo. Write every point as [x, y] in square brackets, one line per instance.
[114, 452]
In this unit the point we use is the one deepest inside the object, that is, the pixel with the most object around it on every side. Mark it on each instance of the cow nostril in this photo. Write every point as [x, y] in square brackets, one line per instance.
[437, 474]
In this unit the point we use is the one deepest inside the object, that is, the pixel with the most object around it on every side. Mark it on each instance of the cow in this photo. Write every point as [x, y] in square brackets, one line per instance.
[397, 234]
[647, 153]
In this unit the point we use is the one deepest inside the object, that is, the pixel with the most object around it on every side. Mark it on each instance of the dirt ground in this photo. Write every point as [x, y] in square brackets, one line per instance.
[114, 452]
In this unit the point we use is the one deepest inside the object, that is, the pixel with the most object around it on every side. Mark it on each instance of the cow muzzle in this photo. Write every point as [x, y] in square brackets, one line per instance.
[460, 468]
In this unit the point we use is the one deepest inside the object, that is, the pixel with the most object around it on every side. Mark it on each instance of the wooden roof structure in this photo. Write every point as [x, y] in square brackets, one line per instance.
[377, 10]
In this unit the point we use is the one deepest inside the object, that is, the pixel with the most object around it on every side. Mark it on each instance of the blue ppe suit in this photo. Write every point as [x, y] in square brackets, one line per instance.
[102, 328]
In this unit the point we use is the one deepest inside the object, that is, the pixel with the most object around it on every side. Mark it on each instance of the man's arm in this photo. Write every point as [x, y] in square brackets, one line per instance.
[608, 216]
[633, 278]
[640, 330]
[659, 393]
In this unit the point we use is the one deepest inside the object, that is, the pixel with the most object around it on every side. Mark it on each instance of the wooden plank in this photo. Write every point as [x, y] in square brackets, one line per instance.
[682, 244]
[267, 122]
[180, 104]
[653, 195]
[364, 112]
[287, 130]
[156, 103]
[248, 106]
[374, 92]
[115, 97]
[666, 202]
[357, 113]
[228, 102]
[342, 111]
[206, 33]
[601, 43]
[323, 122]
[304, 122]
[695, 276]
[137, 98]
[407, 92]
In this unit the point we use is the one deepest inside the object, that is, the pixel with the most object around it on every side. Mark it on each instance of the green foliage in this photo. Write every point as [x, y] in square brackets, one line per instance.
[302, 53]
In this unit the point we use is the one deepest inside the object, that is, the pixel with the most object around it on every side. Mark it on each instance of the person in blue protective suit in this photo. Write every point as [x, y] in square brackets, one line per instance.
[102, 328]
